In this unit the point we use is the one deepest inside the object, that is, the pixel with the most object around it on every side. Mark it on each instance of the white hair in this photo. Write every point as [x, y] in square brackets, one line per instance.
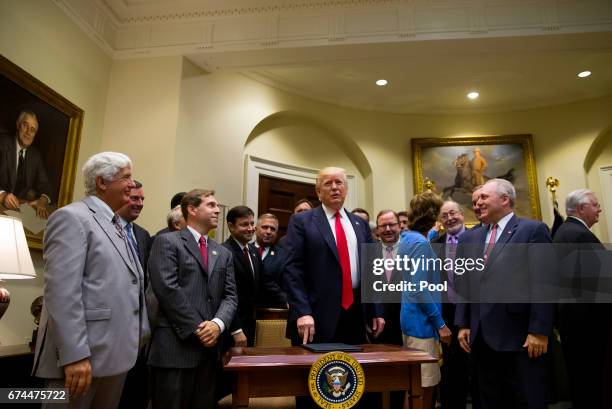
[174, 215]
[104, 164]
[504, 188]
[576, 198]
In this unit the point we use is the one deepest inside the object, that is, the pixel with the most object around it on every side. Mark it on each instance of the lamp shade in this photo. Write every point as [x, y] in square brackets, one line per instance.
[15, 260]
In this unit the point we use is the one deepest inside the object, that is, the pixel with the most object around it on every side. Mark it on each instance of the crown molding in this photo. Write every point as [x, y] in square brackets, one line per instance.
[315, 23]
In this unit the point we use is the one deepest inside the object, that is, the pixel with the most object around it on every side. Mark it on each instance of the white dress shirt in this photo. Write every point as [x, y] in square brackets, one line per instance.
[351, 239]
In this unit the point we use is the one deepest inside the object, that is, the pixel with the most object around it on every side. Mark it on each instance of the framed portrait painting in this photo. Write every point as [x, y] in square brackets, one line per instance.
[452, 167]
[39, 140]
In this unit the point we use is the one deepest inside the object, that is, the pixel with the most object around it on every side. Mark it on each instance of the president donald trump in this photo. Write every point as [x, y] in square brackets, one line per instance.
[322, 275]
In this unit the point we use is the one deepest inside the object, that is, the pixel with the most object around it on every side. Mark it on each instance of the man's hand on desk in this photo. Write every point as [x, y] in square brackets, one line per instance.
[306, 328]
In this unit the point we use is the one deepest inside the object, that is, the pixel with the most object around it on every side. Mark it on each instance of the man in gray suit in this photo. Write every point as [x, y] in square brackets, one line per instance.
[192, 277]
[94, 318]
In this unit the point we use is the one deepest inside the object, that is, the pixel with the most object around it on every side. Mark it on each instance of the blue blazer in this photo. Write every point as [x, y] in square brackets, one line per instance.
[510, 274]
[313, 274]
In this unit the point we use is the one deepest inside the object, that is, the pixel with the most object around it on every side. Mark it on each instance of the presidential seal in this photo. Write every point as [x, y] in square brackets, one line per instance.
[336, 381]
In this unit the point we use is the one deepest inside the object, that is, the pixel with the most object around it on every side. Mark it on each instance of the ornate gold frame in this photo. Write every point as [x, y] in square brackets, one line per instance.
[526, 141]
[46, 94]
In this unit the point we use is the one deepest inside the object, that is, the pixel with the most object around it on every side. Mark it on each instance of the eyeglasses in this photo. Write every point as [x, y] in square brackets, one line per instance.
[446, 216]
[387, 226]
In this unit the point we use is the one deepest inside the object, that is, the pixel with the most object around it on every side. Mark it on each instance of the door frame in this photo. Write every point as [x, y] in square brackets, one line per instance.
[605, 175]
[255, 166]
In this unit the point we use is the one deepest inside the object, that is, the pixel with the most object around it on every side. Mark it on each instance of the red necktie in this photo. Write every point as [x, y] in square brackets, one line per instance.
[204, 252]
[247, 258]
[261, 250]
[345, 263]
[491, 243]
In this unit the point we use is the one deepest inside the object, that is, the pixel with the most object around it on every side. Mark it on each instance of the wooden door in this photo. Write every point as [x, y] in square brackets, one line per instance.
[278, 196]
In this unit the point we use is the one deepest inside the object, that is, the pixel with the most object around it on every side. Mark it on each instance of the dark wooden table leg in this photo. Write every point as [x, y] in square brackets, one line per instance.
[416, 391]
[240, 395]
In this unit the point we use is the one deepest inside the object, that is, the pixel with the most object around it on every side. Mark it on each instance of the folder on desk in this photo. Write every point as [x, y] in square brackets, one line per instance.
[332, 346]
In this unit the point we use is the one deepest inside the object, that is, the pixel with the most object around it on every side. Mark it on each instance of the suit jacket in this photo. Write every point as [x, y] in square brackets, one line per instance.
[391, 305]
[273, 293]
[93, 295]
[510, 273]
[188, 294]
[247, 287]
[576, 245]
[36, 175]
[313, 274]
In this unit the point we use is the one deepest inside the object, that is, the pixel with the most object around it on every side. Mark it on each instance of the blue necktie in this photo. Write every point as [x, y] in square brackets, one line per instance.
[132, 239]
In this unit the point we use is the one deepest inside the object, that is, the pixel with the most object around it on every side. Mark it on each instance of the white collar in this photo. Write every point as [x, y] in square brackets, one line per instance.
[331, 213]
[196, 235]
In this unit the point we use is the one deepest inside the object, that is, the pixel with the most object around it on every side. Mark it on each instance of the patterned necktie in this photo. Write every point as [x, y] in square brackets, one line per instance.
[451, 252]
[20, 183]
[345, 263]
[389, 255]
[130, 235]
[128, 247]
[204, 252]
[491, 243]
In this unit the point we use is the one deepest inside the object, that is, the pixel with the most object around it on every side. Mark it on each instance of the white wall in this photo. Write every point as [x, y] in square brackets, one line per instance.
[184, 128]
[39, 38]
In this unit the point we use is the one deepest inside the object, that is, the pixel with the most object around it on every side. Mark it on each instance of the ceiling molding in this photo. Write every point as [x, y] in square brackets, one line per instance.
[282, 24]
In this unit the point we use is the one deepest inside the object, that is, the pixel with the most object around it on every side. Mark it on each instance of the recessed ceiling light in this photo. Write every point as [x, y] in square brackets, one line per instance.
[381, 83]
[584, 74]
[473, 95]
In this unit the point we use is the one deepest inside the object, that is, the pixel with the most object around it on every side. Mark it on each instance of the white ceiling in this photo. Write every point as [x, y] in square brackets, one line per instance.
[517, 54]
[435, 76]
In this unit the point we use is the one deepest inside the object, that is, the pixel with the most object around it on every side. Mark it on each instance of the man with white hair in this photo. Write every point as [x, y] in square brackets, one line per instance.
[505, 330]
[175, 219]
[94, 318]
[583, 318]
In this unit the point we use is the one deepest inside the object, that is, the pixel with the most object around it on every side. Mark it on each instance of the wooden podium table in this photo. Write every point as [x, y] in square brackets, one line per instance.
[265, 372]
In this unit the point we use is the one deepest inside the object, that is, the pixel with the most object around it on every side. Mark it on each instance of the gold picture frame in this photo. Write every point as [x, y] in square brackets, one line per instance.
[57, 140]
[452, 167]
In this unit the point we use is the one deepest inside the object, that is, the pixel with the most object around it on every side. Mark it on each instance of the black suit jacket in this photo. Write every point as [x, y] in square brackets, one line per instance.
[391, 304]
[36, 175]
[247, 288]
[579, 265]
[143, 238]
[273, 293]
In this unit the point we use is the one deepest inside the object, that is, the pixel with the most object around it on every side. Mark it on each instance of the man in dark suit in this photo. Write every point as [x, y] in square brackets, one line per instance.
[508, 340]
[389, 230]
[454, 385]
[135, 390]
[193, 279]
[247, 269]
[322, 275]
[583, 318]
[273, 259]
[22, 168]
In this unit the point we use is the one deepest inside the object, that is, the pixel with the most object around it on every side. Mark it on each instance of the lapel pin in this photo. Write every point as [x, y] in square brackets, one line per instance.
[271, 253]
[214, 252]
[357, 223]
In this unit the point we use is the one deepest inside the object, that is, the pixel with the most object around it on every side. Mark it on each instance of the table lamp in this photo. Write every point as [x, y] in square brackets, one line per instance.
[15, 260]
